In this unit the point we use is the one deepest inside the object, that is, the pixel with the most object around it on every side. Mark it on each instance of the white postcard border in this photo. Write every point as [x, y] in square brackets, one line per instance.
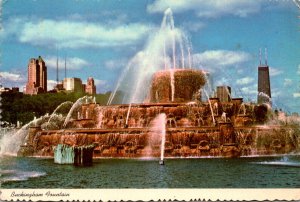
[148, 194]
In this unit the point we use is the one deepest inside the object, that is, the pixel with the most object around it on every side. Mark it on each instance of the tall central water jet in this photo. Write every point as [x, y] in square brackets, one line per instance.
[168, 25]
[166, 49]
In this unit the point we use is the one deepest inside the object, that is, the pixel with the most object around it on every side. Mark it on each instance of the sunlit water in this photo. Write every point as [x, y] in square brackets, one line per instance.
[258, 172]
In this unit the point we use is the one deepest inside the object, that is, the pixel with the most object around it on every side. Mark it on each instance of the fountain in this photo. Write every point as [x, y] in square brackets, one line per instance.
[74, 107]
[159, 127]
[210, 107]
[12, 140]
[57, 109]
[166, 50]
[158, 85]
[126, 123]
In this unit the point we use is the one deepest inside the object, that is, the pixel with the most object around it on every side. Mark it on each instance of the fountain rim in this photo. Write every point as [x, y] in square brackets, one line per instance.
[182, 70]
[150, 104]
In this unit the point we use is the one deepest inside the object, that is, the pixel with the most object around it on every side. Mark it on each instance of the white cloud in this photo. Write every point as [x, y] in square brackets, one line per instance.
[12, 77]
[194, 26]
[287, 82]
[115, 64]
[11, 27]
[275, 72]
[296, 95]
[72, 63]
[249, 90]
[51, 84]
[101, 85]
[74, 34]
[245, 81]
[100, 82]
[220, 58]
[222, 81]
[276, 92]
[9, 79]
[240, 71]
[209, 9]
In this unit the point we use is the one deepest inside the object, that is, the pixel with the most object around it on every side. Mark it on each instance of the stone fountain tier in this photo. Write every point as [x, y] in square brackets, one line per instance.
[187, 83]
[190, 131]
[190, 114]
[224, 140]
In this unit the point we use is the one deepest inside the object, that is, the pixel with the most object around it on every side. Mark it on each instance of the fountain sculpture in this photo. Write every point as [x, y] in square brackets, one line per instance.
[190, 129]
[160, 83]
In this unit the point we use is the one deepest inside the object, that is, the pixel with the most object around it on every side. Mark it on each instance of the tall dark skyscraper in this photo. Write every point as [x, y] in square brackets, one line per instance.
[264, 87]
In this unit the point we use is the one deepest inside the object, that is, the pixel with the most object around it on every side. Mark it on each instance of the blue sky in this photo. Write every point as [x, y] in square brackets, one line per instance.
[99, 37]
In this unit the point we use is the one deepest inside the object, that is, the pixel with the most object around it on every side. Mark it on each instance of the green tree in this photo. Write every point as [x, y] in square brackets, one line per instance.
[19, 107]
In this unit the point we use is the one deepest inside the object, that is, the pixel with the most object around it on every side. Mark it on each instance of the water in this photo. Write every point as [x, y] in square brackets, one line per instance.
[147, 173]
[58, 108]
[211, 110]
[159, 129]
[127, 117]
[11, 139]
[284, 161]
[266, 98]
[161, 124]
[168, 23]
[75, 107]
[17, 175]
[242, 109]
[166, 48]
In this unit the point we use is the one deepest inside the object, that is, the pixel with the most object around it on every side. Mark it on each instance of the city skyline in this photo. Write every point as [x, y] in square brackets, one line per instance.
[98, 38]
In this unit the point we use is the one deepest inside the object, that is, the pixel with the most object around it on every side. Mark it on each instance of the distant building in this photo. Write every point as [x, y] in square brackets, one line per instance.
[73, 85]
[59, 86]
[76, 85]
[9, 90]
[37, 76]
[4, 89]
[15, 89]
[224, 93]
[263, 87]
[90, 87]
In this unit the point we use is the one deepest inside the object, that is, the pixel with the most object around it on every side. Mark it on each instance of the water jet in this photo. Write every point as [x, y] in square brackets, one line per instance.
[161, 162]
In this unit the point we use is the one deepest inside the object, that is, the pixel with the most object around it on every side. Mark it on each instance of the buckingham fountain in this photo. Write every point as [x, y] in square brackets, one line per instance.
[168, 113]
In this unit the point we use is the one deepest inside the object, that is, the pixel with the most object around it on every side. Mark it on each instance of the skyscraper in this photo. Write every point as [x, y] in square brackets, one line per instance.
[224, 93]
[263, 87]
[37, 76]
